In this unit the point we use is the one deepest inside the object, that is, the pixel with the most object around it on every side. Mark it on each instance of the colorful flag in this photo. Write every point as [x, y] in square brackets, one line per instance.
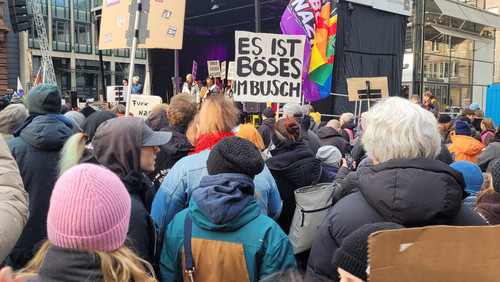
[317, 19]
[20, 91]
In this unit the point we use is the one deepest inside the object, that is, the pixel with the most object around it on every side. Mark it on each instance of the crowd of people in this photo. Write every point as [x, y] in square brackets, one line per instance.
[192, 194]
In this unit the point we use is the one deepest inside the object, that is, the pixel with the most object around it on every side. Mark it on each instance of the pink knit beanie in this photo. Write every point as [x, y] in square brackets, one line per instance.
[89, 210]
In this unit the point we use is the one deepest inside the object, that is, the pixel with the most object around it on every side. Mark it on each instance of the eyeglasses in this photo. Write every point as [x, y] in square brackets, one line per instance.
[150, 148]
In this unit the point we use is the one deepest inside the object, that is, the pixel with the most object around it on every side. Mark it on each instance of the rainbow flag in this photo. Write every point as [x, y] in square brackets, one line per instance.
[20, 91]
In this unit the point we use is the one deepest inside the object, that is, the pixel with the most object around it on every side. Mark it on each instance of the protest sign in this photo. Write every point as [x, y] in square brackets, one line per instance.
[141, 105]
[195, 69]
[161, 24]
[223, 70]
[231, 70]
[117, 93]
[213, 68]
[268, 67]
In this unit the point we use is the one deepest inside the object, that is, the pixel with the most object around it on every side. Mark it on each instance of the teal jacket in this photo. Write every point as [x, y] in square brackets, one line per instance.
[245, 246]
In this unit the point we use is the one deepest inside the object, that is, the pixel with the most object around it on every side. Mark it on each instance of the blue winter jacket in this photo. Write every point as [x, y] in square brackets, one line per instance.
[184, 177]
[231, 240]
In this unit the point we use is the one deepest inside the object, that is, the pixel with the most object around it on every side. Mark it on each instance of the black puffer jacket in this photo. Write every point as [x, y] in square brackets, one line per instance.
[329, 136]
[411, 192]
[293, 165]
[266, 130]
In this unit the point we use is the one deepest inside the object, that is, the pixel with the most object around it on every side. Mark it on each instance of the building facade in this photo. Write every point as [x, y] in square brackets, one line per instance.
[450, 51]
[73, 41]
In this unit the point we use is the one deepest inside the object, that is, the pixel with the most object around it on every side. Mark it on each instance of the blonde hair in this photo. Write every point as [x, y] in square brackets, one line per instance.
[217, 114]
[119, 265]
[248, 131]
[486, 188]
[159, 107]
[181, 110]
[71, 152]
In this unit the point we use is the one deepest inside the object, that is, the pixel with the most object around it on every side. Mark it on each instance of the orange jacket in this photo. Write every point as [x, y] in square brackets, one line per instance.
[465, 148]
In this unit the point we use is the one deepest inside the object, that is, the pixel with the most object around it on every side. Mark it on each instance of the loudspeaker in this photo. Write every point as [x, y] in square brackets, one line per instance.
[18, 15]
[71, 97]
[255, 107]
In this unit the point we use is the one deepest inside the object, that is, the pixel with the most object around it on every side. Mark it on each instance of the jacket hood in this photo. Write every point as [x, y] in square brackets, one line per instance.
[467, 145]
[349, 125]
[326, 132]
[93, 122]
[46, 133]
[413, 192]
[224, 202]
[119, 152]
[269, 122]
[139, 185]
[158, 120]
[12, 117]
[179, 142]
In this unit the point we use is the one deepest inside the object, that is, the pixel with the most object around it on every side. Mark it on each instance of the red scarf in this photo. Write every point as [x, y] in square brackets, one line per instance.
[209, 140]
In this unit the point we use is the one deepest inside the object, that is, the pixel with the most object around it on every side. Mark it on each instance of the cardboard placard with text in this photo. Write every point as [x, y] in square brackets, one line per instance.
[435, 253]
[195, 69]
[231, 69]
[223, 70]
[357, 88]
[213, 68]
[141, 105]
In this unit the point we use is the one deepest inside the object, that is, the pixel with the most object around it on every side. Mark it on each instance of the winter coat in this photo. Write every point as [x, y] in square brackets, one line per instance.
[184, 178]
[231, 240]
[136, 88]
[266, 130]
[345, 134]
[330, 170]
[62, 264]
[293, 165]
[177, 148]
[487, 136]
[329, 136]
[309, 138]
[10, 119]
[488, 154]
[476, 123]
[489, 207]
[411, 192]
[13, 201]
[465, 148]
[36, 152]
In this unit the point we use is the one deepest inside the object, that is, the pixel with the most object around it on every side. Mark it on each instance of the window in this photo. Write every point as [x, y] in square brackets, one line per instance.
[83, 43]
[122, 53]
[97, 3]
[435, 46]
[81, 10]
[32, 32]
[61, 36]
[140, 53]
[60, 9]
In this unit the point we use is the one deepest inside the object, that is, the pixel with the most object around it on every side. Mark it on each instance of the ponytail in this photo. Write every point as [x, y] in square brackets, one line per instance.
[72, 152]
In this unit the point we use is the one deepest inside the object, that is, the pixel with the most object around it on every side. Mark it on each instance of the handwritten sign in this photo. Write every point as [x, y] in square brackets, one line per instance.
[213, 68]
[231, 70]
[268, 67]
[141, 105]
[223, 70]
[195, 69]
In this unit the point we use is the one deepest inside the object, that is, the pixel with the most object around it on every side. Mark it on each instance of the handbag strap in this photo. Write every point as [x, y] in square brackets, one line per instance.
[188, 254]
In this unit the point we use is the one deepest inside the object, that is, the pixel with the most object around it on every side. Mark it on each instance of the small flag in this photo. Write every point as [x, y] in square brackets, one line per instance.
[20, 91]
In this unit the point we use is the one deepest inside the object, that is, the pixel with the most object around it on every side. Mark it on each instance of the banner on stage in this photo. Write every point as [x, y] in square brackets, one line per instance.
[231, 69]
[214, 68]
[268, 67]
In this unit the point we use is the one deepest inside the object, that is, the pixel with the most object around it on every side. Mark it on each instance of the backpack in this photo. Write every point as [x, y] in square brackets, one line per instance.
[483, 137]
[311, 206]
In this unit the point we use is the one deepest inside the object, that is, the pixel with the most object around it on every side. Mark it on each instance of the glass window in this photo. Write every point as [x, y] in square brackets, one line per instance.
[460, 96]
[460, 71]
[97, 3]
[462, 48]
[60, 9]
[436, 42]
[140, 53]
[121, 72]
[436, 68]
[81, 10]
[122, 53]
[61, 36]
[83, 44]
[43, 4]
[33, 34]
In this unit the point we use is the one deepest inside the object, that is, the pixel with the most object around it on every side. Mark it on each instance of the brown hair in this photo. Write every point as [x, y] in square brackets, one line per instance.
[181, 110]
[119, 265]
[415, 97]
[468, 112]
[247, 131]
[486, 188]
[428, 93]
[479, 114]
[289, 129]
[217, 114]
[488, 124]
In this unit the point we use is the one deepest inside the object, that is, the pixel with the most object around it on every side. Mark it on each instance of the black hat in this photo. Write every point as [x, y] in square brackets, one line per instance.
[352, 254]
[235, 155]
[211, 77]
[269, 112]
[444, 118]
[494, 170]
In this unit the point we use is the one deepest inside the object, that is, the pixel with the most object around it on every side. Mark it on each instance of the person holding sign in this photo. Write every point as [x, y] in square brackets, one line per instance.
[213, 89]
[136, 85]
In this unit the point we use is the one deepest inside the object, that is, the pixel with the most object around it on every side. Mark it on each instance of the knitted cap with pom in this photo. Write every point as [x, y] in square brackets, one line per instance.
[89, 210]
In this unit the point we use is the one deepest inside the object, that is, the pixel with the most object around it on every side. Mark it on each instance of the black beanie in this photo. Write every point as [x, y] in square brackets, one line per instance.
[269, 112]
[352, 256]
[444, 118]
[235, 155]
[494, 170]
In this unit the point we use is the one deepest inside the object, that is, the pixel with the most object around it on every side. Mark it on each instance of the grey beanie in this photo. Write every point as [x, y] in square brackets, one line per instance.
[291, 109]
[77, 118]
[329, 155]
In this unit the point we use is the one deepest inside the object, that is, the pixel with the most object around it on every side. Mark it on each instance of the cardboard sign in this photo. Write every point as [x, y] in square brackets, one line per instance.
[231, 70]
[141, 106]
[117, 93]
[358, 88]
[195, 69]
[213, 68]
[161, 24]
[223, 70]
[268, 67]
[437, 253]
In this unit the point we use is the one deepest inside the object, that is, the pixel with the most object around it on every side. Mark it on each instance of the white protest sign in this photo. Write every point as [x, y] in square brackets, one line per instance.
[213, 68]
[268, 67]
[231, 70]
[195, 69]
[141, 105]
[117, 93]
[223, 70]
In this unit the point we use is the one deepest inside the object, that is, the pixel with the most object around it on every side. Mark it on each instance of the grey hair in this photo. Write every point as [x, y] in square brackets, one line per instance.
[396, 128]
[333, 123]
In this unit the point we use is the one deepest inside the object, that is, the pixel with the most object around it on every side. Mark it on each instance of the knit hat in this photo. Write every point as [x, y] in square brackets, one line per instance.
[444, 118]
[235, 155]
[352, 254]
[269, 112]
[292, 109]
[494, 170]
[474, 106]
[348, 117]
[78, 119]
[329, 155]
[89, 210]
[136, 78]
[44, 99]
[472, 175]
[462, 128]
